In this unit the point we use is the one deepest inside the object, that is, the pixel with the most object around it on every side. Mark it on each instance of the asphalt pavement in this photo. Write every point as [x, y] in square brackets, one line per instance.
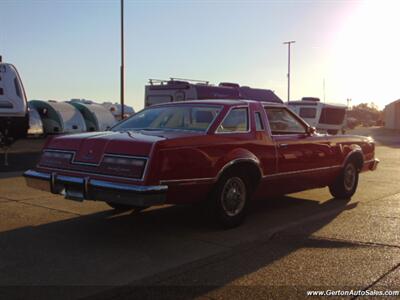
[59, 249]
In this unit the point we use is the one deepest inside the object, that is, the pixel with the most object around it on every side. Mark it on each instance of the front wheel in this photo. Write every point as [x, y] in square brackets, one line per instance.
[346, 184]
[230, 200]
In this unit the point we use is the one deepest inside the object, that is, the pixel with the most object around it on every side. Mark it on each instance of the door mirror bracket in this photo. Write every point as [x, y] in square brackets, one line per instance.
[311, 130]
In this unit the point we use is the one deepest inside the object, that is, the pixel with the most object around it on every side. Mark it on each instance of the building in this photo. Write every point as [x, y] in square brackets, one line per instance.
[392, 115]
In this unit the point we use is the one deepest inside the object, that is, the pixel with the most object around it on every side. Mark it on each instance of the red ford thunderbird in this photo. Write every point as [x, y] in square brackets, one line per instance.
[221, 152]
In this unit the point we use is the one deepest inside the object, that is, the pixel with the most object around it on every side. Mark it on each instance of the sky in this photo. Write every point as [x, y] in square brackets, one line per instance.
[71, 49]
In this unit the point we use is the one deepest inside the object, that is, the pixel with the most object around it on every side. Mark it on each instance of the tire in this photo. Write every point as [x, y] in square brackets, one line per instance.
[230, 199]
[346, 183]
[122, 207]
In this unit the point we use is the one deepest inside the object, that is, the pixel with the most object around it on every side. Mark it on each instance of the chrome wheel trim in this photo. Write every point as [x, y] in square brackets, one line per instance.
[350, 172]
[233, 196]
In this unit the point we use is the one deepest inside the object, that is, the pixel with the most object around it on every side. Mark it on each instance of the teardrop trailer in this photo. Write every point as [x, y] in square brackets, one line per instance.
[59, 117]
[96, 116]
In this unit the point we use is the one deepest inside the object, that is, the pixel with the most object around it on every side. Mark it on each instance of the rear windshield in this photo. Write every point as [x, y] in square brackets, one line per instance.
[185, 117]
[332, 116]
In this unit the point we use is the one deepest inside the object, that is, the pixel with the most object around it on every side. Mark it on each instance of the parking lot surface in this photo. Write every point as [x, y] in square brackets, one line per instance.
[55, 248]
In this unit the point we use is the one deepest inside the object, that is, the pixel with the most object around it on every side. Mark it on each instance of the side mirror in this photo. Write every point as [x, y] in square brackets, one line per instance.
[311, 130]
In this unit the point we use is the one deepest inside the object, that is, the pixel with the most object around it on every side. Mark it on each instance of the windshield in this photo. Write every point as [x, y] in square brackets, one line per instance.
[184, 117]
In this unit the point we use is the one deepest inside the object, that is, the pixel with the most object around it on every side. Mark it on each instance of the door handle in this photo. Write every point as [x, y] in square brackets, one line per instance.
[283, 145]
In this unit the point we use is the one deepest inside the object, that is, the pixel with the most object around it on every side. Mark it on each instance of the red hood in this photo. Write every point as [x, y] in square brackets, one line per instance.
[90, 147]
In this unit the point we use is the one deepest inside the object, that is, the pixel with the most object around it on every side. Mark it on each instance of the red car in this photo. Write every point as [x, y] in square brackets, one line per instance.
[222, 152]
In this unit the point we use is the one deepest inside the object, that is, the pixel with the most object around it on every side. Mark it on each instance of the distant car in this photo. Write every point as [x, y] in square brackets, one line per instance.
[221, 152]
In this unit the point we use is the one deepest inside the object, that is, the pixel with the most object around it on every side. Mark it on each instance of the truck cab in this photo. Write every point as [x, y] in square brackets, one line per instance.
[177, 89]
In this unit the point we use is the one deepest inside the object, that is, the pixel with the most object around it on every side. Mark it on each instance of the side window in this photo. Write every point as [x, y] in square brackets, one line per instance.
[308, 112]
[17, 87]
[235, 121]
[281, 121]
[259, 122]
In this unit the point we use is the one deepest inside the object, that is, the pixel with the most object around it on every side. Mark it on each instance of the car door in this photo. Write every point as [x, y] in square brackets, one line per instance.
[303, 159]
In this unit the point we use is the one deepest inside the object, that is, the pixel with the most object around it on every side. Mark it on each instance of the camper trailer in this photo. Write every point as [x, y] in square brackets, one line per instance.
[115, 109]
[14, 119]
[59, 117]
[96, 116]
[176, 89]
[326, 118]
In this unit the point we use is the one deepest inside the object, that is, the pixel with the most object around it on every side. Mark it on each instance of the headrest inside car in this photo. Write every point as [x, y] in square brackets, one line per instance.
[204, 116]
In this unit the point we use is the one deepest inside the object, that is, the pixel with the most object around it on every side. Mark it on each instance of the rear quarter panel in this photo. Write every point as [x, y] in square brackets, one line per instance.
[191, 166]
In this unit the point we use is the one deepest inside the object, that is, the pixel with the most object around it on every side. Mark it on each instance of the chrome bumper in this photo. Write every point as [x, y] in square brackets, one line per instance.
[373, 164]
[78, 188]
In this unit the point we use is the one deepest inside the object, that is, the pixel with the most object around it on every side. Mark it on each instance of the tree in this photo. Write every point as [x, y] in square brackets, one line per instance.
[367, 114]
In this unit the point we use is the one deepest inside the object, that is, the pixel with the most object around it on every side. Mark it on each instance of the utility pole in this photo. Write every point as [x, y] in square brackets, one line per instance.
[122, 60]
[288, 74]
[348, 103]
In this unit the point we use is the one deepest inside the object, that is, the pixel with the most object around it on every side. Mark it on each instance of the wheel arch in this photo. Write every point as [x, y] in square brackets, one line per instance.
[355, 155]
[249, 165]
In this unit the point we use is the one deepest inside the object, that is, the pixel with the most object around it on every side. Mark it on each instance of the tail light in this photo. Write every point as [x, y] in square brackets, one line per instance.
[58, 159]
[124, 166]
[111, 164]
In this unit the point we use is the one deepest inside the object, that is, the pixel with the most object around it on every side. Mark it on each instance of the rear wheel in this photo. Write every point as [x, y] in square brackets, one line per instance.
[121, 207]
[346, 184]
[230, 200]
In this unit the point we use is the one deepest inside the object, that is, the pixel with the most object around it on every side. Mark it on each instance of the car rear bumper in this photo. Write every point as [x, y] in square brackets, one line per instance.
[78, 188]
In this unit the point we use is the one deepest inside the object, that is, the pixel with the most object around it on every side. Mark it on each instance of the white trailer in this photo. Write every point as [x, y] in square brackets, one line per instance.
[14, 117]
[326, 118]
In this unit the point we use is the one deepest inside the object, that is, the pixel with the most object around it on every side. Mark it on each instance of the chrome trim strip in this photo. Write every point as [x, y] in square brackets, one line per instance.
[370, 161]
[92, 173]
[68, 179]
[96, 183]
[129, 188]
[214, 179]
[238, 160]
[372, 164]
[149, 159]
[301, 171]
[194, 180]
[38, 175]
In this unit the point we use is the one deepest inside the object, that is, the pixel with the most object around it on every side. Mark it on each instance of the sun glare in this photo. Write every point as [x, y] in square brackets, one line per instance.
[365, 60]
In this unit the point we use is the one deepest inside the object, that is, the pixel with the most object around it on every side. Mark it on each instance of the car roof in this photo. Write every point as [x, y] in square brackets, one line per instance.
[225, 102]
